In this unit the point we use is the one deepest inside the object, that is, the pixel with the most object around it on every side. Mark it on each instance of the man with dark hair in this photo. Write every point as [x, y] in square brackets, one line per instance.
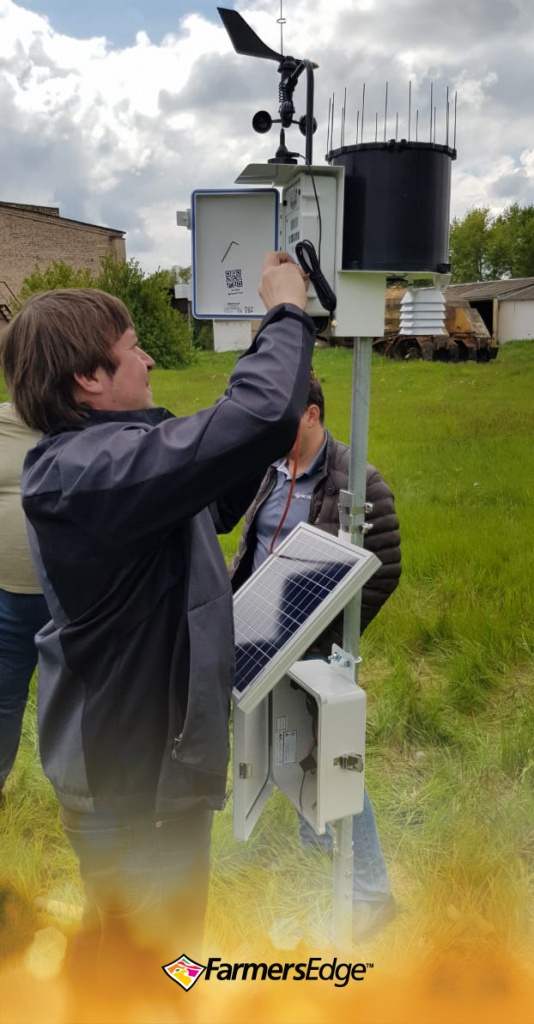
[305, 486]
[124, 503]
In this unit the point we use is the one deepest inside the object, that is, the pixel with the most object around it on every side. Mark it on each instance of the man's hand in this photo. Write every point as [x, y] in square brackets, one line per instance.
[282, 281]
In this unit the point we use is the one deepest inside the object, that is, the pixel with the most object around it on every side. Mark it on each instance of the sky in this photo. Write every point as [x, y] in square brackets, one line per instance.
[116, 111]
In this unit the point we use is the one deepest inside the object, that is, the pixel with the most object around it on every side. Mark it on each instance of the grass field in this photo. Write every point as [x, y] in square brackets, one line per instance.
[448, 668]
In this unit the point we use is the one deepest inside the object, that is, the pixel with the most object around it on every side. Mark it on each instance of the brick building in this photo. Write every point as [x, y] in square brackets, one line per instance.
[33, 236]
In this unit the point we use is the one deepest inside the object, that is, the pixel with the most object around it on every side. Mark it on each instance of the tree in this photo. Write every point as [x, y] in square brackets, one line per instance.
[483, 248]
[162, 330]
[468, 243]
[511, 242]
[183, 274]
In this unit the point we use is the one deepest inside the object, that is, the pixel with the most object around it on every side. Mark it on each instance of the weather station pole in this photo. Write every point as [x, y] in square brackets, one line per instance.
[343, 859]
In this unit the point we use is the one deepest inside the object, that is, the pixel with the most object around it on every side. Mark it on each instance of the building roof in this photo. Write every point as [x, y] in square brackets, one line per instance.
[518, 289]
[51, 213]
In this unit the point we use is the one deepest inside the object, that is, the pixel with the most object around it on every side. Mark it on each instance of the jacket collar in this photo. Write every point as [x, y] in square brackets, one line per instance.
[95, 417]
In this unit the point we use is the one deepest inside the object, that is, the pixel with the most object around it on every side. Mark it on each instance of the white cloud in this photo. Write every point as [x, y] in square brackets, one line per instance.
[122, 136]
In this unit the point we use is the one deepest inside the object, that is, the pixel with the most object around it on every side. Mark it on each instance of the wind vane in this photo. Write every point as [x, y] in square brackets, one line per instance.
[245, 41]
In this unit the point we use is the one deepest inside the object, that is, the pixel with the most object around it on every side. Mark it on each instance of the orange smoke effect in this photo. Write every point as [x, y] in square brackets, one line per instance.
[468, 983]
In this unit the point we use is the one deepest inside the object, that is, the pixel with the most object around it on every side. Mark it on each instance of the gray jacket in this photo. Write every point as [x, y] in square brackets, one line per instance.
[136, 666]
[383, 539]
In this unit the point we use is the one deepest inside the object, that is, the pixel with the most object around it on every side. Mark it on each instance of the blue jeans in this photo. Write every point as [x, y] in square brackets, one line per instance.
[21, 617]
[146, 887]
[370, 880]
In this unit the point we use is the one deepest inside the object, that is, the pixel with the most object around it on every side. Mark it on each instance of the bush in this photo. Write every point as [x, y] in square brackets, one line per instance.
[203, 335]
[57, 275]
[162, 330]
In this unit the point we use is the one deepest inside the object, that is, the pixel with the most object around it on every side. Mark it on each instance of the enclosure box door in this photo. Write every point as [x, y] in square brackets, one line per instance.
[334, 736]
[232, 229]
[253, 784]
[315, 710]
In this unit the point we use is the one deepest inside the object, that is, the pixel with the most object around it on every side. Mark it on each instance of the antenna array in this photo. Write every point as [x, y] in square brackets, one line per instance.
[409, 124]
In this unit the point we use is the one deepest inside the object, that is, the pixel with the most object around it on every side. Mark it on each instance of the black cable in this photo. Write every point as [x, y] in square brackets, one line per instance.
[308, 165]
[309, 262]
[325, 294]
[321, 324]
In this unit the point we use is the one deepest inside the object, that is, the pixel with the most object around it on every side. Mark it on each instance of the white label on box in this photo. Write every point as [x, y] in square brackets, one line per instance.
[279, 748]
[290, 747]
[281, 723]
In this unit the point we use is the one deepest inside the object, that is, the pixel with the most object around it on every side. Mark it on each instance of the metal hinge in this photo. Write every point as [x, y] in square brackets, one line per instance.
[351, 762]
[245, 770]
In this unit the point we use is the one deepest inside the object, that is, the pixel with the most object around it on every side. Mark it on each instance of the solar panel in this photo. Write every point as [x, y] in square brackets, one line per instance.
[288, 602]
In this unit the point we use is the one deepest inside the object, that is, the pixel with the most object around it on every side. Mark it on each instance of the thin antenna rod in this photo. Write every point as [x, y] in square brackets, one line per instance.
[343, 114]
[397, 126]
[281, 21]
[431, 107]
[357, 126]
[328, 126]
[363, 106]
[435, 125]
[376, 126]
[455, 101]
[333, 108]
[447, 122]
[386, 112]
[409, 109]
[416, 125]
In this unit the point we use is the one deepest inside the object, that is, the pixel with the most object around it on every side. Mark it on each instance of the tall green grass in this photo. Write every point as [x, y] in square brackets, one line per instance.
[447, 665]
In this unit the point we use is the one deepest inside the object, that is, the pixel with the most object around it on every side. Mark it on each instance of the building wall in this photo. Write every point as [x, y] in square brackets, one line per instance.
[30, 237]
[231, 335]
[516, 320]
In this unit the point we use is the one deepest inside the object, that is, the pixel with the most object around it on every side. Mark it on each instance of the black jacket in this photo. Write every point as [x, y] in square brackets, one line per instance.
[136, 666]
[383, 539]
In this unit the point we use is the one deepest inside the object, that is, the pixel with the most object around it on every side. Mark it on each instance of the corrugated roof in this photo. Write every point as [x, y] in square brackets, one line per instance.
[517, 288]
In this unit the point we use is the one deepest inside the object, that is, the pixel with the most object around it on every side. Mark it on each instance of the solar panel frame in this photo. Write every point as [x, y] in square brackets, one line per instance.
[254, 599]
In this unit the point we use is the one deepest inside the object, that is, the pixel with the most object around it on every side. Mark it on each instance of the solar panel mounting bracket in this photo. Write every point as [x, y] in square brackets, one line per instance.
[344, 662]
[351, 516]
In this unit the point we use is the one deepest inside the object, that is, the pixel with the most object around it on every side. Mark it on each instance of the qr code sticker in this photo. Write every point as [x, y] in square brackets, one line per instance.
[234, 280]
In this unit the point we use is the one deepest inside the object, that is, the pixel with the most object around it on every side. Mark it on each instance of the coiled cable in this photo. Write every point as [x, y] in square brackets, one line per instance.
[309, 262]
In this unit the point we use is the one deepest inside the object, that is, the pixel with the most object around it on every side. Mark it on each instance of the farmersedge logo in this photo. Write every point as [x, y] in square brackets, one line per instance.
[314, 969]
[311, 970]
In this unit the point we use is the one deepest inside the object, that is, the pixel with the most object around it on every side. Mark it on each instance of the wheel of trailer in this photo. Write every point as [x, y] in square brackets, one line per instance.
[412, 351]
[462, 351]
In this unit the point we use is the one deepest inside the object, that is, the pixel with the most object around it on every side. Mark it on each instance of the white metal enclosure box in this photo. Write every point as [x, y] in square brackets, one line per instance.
[308, 738]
